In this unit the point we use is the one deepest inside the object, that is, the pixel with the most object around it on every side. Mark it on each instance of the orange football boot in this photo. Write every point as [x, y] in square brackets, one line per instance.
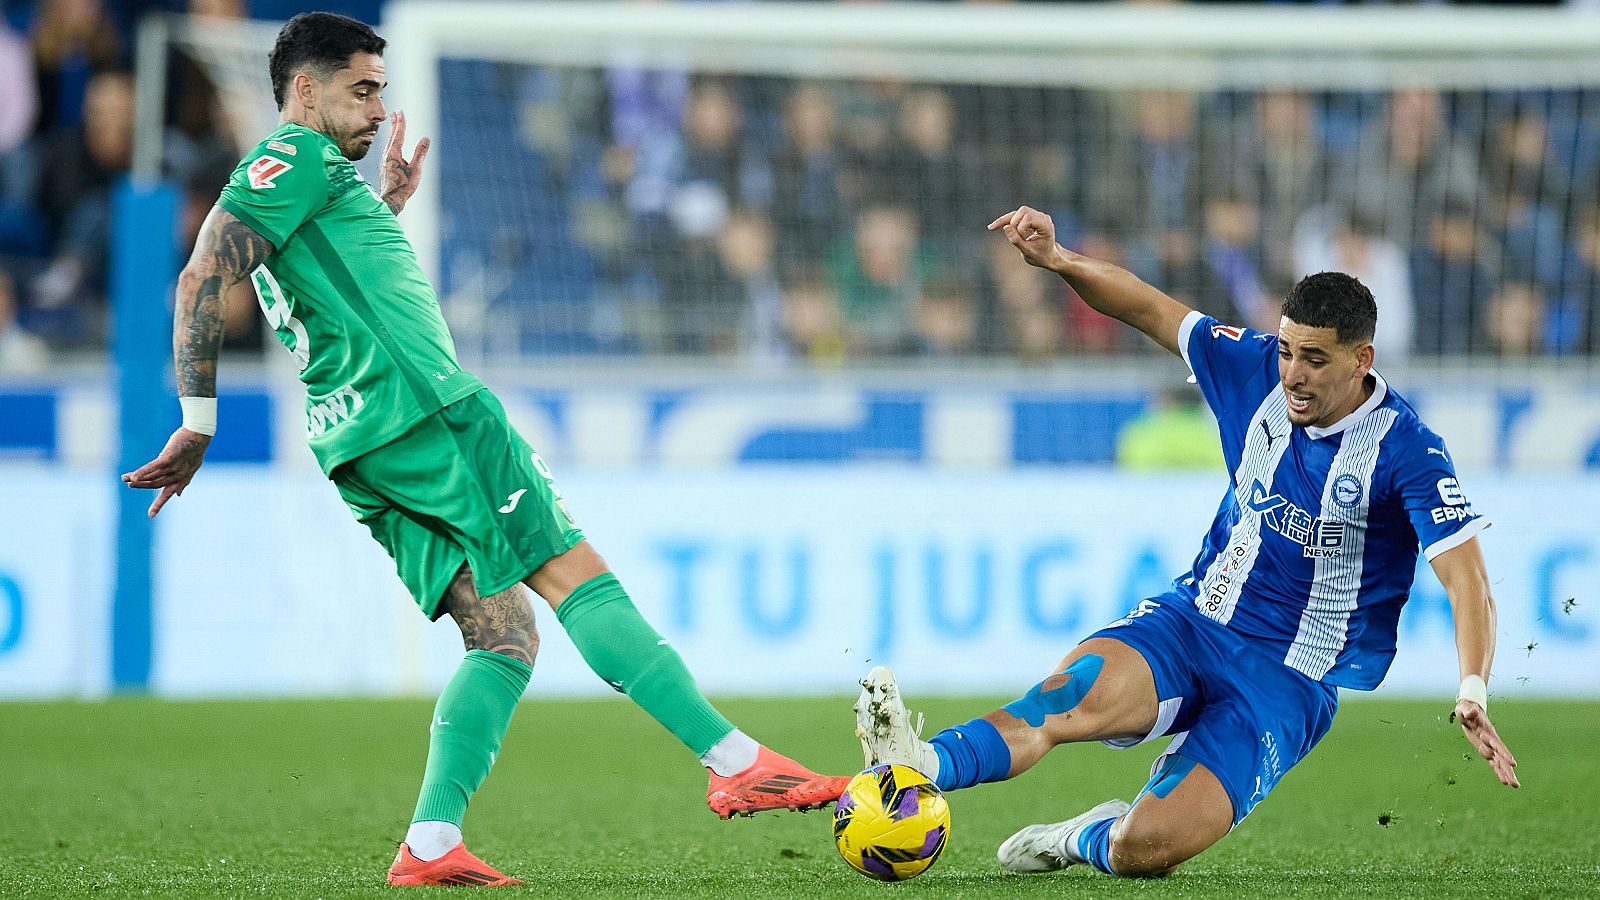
[773, 781]
[458, 867]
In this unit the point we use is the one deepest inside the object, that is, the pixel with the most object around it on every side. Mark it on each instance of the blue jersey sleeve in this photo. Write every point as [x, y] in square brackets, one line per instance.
[1235, 367]
[1434, 501]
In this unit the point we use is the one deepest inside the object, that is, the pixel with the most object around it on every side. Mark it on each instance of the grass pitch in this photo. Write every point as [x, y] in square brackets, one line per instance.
[307, 799]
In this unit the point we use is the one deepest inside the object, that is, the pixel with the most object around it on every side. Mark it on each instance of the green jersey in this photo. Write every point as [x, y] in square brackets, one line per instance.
[345, 295]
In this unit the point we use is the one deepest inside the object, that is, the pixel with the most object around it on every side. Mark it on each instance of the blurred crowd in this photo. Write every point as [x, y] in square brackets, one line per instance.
[831, 220]
[67, 98]
[625, 210]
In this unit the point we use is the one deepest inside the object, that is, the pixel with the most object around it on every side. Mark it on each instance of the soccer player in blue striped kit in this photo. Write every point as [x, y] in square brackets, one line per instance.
[1336, 486]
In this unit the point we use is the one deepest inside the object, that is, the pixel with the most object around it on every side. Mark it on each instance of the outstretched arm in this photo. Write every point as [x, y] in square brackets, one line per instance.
[1466, 581]
[225, 254]
[1107, 289]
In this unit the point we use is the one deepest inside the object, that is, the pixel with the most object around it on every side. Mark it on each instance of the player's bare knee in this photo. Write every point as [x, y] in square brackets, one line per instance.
[1142, 849]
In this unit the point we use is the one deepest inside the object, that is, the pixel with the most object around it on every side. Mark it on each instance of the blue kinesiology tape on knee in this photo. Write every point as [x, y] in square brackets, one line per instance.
[1039, 702]
[1173, 771]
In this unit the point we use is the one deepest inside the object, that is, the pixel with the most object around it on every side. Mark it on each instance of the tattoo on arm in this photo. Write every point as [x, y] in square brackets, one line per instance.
[225, 254]
[400, 173]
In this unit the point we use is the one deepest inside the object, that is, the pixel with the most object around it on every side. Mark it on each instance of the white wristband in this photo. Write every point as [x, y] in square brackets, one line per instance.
[199, 414]
[1475, 689]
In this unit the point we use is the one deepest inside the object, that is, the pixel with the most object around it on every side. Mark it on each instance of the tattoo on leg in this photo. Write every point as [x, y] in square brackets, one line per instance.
[499, 623]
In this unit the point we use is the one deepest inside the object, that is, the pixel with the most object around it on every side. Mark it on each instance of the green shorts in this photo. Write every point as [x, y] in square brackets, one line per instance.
[460, 486]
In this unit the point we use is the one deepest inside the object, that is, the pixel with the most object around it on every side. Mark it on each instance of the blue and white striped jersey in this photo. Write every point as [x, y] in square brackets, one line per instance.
[1314, 547]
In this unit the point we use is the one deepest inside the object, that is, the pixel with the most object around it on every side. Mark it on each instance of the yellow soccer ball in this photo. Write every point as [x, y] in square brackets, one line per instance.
[891, 823]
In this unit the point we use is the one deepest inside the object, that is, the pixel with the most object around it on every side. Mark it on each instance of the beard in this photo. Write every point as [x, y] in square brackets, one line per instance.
[353, 145]
[356, 146]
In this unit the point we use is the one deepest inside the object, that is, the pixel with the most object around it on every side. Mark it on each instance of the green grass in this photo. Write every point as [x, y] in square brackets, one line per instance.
[307, 799]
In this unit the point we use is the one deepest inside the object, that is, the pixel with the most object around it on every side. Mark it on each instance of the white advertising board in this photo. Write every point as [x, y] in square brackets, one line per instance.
[769, 581]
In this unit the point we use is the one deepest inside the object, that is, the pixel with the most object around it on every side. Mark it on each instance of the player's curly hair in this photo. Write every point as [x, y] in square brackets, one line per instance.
[1333, 300]
[323, 41]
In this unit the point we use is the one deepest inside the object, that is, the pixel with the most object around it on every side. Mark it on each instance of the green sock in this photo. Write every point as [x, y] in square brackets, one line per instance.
[469, 721]
[622, 648]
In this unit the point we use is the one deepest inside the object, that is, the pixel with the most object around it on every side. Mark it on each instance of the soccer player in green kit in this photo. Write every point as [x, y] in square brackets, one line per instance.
[420, 451]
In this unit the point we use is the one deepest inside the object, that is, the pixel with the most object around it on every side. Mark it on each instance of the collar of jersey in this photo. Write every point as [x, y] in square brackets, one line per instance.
[300, 130]
[1376, 400]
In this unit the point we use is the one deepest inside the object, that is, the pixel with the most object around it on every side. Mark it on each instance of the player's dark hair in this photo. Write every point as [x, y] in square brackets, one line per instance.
[1333, 300]
[319, 40]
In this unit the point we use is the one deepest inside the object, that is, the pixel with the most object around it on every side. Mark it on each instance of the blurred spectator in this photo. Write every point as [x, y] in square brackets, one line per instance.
[866, 115]
[1452, 280]
[813, 325]
[198, 123]
[1526, 194]
[646, 119]
[714, 154]
[1351, 241]
[72, 40]
[806, 176]
[1176, 432]
[20, 352]
[879, 271]
[1147, 180]
[22, 229]
[1289, 175]
[947, 318]
[1576, 319]
[1027, 319]
[936, 174]
[1229, 251]
[75, 196]
[1408, 167]
[702, 308]
[1516, 317]
[19, 95]
[746, 245]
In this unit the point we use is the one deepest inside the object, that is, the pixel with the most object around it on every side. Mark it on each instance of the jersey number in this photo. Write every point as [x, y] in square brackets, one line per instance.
[280, 317]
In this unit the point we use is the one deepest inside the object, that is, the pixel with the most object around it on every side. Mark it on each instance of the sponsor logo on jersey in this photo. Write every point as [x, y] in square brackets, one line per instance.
[1455, 508]
[1318, 538]
[1347, 491]
[340, 406]
[265, 170]
[1450, 492]
[281, 147]
[1231, 332]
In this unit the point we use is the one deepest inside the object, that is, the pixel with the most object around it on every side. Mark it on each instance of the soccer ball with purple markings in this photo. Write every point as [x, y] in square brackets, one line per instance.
[891, 823]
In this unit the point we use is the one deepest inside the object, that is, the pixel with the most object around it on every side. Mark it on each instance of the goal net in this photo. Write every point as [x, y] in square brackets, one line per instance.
[809, 183]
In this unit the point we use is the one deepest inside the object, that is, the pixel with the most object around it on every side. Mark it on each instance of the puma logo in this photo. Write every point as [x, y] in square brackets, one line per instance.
[513, 500]
[1270, 436]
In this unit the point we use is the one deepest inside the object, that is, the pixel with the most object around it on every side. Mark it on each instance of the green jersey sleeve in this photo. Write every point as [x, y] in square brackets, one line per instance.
[279, 186]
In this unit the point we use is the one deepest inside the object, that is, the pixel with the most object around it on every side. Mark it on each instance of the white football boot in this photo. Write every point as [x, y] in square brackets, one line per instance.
[1045, 848]
[884, 726]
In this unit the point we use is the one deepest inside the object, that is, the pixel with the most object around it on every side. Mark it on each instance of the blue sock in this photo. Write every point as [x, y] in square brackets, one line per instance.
[970, 754]
[1094, 844]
